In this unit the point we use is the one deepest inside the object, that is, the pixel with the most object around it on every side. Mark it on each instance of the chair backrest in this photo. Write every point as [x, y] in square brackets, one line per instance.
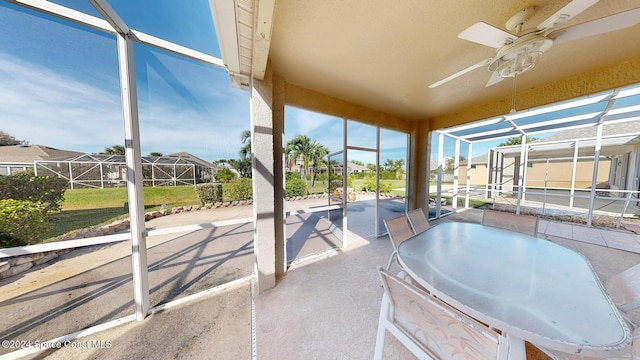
[398, 229]
[624, 288]
[437, 328]
[525, 224]
[417, 220]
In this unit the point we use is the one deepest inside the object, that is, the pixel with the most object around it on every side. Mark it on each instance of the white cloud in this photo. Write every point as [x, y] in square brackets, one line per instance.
[43, 107]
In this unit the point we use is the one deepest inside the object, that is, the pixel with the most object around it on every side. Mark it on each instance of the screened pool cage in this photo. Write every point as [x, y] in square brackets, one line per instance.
[107, 171]
[590, 162]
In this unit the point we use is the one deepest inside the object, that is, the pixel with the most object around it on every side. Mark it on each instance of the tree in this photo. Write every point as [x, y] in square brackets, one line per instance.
[243, 166]
[245, 138]
[318, 152]
[311, 152]
[155, 153]
[7, 140]
[225, 175]
[114, 150]
[449, 163]
[220, 162]
[516, 140]
[395, 166]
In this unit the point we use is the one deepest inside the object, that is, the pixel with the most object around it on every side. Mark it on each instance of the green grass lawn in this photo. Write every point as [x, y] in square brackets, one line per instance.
[473, 203]
[86, 208]
[72, 221]
[80, 199]
[321, 186]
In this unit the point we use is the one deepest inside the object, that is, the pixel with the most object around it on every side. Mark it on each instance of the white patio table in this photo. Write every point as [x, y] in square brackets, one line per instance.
[532, 289]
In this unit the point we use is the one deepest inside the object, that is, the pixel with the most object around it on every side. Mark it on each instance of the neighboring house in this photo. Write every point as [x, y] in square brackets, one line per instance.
[100, 171]
[551, 160]
[206, 170]
[21, 157]
[351, 168]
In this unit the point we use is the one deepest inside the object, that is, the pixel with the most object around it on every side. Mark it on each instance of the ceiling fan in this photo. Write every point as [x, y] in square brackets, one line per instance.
[518, 51]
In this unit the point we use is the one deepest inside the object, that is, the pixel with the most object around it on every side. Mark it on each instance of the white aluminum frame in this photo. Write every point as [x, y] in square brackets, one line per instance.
[125, 38]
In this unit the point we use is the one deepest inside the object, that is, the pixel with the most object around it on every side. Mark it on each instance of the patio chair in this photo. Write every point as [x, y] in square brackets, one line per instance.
[399, 231]
[624, 288]
[417, 220]
[430, 328]
[525, 224]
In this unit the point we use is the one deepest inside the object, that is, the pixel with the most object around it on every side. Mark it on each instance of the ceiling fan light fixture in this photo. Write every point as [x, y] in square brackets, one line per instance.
[517, 64]
[519, 57]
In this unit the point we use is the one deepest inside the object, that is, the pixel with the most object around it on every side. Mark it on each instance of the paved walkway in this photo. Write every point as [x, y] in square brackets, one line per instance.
[612, 238]
[94, 286]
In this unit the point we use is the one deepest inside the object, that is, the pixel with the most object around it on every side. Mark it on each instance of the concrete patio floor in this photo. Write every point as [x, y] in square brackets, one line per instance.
[325, 307]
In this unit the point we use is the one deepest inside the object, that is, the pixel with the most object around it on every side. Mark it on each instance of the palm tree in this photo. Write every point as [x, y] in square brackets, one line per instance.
[311, 153]
[114, 150]
[318, 152]
[245, 138]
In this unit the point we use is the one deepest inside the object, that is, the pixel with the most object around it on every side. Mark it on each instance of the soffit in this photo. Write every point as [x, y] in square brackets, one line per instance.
[383, 54]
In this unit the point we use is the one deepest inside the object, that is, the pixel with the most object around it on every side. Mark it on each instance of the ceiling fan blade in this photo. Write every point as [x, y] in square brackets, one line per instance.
[494, 79]
[460, 73]
[606, 24]
[485, 34]
[567, 12]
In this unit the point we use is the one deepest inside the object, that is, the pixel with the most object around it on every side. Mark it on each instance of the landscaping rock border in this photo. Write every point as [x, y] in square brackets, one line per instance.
[19, 264]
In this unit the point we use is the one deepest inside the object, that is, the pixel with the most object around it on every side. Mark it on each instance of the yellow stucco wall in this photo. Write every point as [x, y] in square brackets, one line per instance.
[559, 174]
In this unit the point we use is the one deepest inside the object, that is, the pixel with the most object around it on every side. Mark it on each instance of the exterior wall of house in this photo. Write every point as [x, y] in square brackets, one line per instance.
[559, 174]
[633, 174]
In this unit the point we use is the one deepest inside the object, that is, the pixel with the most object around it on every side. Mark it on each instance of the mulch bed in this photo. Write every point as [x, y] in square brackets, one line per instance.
[631, 224]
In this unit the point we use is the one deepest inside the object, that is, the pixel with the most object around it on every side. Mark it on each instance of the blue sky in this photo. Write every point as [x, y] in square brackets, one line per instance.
[59, 87]
[59, 82]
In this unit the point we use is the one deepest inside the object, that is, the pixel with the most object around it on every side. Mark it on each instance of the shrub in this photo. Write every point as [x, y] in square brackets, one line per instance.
[240, 189]
[334, 185]
[369, 185]
[21, 222]
[291, 175]
[225, 175]
[209, 193]
[49, 191]
[388, 175]
[296, 187]
[385, 187]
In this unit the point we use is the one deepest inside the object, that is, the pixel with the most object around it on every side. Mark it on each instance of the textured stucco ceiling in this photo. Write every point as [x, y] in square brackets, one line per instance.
[383, 54]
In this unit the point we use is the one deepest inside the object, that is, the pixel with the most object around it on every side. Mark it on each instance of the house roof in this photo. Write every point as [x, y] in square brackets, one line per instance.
[617, 138]
[350, 165]
[619, 128]
[357, 167]
[31, 153]
[193, 158]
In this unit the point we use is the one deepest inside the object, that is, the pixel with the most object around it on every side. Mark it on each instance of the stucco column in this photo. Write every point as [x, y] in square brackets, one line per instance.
[267, 136]
[419, 157]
